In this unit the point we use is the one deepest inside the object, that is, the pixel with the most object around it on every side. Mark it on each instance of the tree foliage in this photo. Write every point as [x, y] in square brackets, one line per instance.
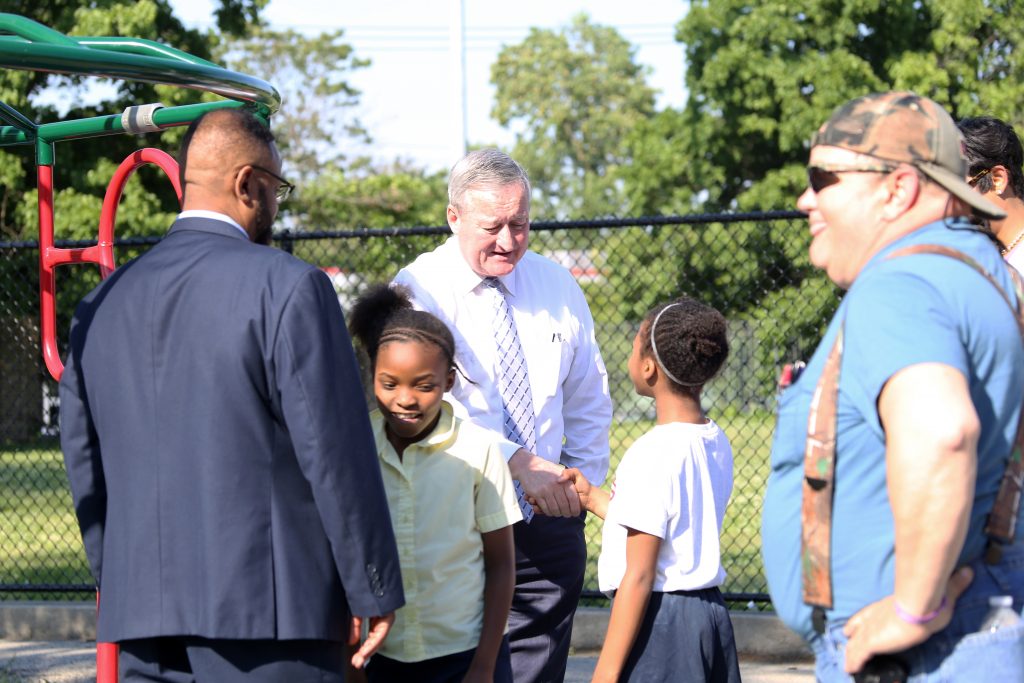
[375, 198]
[571, 96]
[310, 72]
[762, 76]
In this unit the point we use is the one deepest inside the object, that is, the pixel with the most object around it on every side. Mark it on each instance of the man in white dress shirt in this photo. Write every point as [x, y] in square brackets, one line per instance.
[489, 214]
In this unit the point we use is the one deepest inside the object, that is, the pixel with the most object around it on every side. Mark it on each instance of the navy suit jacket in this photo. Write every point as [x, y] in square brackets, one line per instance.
[217, 443]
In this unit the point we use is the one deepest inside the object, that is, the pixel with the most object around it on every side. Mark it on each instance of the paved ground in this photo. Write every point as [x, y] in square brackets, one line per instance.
[75, 662]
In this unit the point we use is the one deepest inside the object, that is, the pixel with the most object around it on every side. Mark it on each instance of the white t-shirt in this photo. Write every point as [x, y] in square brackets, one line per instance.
[674, 482]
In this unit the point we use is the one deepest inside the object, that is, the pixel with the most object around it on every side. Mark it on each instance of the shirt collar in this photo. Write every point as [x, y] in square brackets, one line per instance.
[214, 216]
[439, 437]
[465, 279]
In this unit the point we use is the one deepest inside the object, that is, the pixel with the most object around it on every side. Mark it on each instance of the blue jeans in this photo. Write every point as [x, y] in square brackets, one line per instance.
[959, 653]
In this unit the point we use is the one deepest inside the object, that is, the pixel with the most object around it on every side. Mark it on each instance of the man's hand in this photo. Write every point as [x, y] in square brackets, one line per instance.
[379, 628]
[877, 629]
[543, 482]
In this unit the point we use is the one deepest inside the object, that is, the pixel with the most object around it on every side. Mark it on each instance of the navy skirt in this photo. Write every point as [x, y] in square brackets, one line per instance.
[685, 637]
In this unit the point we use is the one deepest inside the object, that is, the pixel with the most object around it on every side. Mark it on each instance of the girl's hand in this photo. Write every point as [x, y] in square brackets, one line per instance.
[580, 483]
[593, 498]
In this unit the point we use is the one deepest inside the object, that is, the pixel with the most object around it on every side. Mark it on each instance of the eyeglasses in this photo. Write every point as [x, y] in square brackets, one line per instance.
[978, 176]
[820, 177]
[284, 190]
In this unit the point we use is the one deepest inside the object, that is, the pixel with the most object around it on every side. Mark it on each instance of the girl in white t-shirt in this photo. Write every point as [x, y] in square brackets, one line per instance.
[660, 553]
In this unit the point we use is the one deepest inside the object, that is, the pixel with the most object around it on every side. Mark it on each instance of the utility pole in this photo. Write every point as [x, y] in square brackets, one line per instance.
[458, 80]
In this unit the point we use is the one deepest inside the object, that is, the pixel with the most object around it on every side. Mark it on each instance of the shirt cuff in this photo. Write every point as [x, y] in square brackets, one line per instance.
[508, 448]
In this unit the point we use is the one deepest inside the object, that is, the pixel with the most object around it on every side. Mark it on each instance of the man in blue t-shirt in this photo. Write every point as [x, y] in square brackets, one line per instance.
[879, 548]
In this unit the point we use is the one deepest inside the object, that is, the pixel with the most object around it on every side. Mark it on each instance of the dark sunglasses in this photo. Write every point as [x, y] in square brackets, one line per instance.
[284, 190]
[820, 177]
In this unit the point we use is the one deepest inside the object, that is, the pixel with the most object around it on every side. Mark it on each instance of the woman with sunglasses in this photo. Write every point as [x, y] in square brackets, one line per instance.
[994, 160]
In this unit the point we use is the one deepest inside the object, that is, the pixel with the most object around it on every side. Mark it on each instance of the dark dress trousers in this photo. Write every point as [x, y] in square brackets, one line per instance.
[218, 447]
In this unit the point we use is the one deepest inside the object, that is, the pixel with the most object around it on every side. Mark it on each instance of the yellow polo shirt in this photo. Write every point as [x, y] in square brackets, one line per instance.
[445, 491]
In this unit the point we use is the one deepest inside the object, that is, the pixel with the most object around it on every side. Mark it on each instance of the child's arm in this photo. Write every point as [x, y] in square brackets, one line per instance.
[630, 603]
[593, 498]
[499, 583]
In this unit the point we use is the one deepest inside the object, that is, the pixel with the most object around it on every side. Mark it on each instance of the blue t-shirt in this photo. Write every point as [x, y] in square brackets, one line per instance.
[912, 309]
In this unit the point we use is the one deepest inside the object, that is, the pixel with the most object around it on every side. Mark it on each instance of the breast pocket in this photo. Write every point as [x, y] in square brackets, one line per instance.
[550, 360]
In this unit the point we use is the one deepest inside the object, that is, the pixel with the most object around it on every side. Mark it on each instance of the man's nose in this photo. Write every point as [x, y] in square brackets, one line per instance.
[505, 241]
[807, 200]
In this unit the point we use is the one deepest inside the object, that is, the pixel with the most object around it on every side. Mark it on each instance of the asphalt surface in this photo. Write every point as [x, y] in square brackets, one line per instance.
[75, 662]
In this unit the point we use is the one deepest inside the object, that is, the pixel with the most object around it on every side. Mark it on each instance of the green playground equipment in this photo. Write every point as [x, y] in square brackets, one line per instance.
[28, 45]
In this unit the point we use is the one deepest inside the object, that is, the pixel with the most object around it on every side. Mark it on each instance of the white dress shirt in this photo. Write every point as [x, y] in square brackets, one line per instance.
[214, 216]
[568, 379]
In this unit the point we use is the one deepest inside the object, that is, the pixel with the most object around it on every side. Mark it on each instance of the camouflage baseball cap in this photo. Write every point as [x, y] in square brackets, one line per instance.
[906, 128]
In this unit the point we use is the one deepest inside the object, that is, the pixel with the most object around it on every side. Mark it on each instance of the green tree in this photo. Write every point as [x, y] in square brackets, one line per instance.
[310, 73]
[762, 76]
[364, 196]
[572, 96]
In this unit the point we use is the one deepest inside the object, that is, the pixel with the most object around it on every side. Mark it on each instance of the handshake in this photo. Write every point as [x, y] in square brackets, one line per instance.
[578, 490]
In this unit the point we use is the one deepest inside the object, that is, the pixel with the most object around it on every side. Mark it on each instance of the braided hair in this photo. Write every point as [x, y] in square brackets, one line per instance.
[385, 314]
[687, 340]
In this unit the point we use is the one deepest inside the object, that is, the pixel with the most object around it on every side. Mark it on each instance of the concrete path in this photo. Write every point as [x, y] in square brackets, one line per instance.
[53, 643]
[75, 662]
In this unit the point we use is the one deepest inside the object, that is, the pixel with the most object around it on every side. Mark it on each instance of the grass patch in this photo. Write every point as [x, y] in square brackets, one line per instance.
[38, 529]
[40, 536]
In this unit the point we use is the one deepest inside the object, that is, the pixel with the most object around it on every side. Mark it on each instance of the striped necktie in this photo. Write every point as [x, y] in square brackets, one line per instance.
[513, 383]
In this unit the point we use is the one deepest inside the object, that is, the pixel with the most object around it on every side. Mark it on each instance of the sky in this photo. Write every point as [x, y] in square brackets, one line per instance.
[410, 103]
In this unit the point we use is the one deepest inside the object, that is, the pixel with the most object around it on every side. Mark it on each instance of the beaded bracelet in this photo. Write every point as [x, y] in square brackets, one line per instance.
[918, 620]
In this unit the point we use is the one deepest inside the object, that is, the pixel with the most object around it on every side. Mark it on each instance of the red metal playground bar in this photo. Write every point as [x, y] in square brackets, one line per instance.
[28, 45]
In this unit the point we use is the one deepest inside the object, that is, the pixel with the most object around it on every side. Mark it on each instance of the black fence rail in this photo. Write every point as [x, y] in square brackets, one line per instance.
[752, 267]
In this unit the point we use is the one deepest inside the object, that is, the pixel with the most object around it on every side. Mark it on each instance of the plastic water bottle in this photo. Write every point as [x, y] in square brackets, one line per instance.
[1000, 614]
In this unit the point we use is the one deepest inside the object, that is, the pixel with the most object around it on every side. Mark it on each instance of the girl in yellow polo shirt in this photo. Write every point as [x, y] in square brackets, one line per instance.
[451, 499]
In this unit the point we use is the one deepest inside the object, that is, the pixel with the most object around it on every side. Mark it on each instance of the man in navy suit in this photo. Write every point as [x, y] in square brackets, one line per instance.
[216, 438]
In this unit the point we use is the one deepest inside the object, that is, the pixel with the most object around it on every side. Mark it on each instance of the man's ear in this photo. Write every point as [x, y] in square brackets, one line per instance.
[245, 187]
[453, 219]
[903, 186]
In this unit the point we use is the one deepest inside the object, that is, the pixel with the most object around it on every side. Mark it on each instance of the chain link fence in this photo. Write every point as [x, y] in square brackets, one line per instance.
[752, 267]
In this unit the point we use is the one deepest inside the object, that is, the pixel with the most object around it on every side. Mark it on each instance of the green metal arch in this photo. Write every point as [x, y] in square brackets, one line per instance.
[28, 45]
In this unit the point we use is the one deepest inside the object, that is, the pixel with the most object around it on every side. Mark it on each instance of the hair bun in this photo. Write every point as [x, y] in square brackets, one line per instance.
[370, 313]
